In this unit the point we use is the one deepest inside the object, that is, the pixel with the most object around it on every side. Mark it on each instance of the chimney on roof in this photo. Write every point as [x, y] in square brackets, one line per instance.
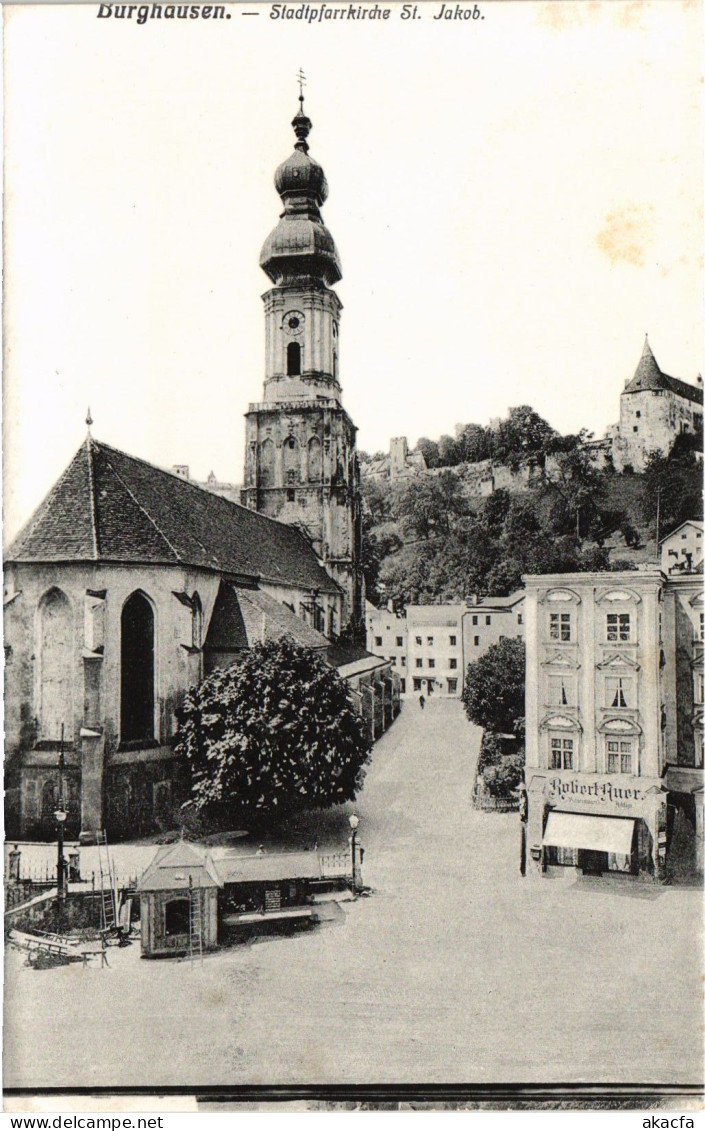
[472, 599]
[699, 380]
[182, 470]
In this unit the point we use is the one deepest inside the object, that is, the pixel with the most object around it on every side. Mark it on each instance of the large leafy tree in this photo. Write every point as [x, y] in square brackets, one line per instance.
[275, 732]
[426, 506]
[671, 490]
[493, 694]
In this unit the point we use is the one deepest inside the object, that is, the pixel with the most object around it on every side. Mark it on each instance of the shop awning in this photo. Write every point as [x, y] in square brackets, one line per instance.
[579, 830]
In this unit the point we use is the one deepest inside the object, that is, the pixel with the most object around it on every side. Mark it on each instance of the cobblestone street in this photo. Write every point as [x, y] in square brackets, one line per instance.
[453, 969]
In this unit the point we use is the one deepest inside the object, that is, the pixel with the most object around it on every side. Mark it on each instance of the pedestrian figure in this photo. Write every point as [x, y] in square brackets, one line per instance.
[523, 817]
[422, 702]
[104, 952]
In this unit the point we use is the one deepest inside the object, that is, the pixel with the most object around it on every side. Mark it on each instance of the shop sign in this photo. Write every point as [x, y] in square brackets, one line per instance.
[598, 793]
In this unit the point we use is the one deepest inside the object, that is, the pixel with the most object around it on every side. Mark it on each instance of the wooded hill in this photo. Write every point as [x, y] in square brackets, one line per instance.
[428, 539]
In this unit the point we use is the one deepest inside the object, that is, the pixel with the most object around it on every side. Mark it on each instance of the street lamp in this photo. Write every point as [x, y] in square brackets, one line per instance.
[354, 822]
[60, 816]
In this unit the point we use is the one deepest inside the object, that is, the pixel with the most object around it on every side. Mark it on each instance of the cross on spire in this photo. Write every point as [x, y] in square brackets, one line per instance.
[301, 80]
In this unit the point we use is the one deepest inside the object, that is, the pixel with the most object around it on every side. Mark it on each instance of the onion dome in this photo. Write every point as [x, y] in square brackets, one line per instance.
[301, 245]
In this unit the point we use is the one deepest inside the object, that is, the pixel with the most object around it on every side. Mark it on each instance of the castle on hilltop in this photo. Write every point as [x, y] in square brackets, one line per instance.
[653, 410]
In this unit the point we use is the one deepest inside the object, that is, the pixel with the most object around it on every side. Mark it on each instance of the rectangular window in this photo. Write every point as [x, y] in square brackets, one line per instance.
[699, 687]
[429, 640]
[618, 627]
[702, 626]
[488, 620]
[417, 685]
[392, 659]
[453, 641]
[452, 663]
[378, 641]
[419, 640]
[400, 641]
[452, 686]
[619, 756]
[618, 692]
[476, 641]
[431, 663]
[558, 692]
[698, 748]
[402, 687]
[419, 663]
[561, 753]
[560, 626]
[474, 620]
[566, 857]
[520, 618]
[403, 661]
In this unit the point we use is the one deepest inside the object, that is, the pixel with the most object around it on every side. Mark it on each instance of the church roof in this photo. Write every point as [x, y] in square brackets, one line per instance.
[110, 506]
[649, 378]
[243, 617]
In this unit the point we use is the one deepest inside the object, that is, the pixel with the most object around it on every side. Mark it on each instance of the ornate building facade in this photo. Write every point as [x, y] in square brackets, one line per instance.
[614, 716]
[301, 463]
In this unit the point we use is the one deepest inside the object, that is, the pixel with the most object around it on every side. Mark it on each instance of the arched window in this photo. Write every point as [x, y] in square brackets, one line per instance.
[315, 463]
[49, 800]
[55, 665]
[266, 463]
[176, 917]
[290, 461]
[196, 621]
[293, 359]
[137, 670]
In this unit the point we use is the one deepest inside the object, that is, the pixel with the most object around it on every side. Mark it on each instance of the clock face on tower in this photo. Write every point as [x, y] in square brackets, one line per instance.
[293, 322]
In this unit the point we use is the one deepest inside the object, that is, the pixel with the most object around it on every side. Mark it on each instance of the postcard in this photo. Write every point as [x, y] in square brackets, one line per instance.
[353, 609]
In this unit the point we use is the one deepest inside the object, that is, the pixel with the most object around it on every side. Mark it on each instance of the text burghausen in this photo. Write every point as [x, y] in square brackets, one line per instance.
[143, 12]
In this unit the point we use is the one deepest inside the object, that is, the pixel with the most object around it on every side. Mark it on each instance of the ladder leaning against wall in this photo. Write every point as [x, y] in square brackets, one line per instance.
[108, 895]
[196, 912]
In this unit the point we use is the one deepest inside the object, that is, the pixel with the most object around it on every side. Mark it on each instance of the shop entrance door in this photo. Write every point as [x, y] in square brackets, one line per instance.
[592, 863]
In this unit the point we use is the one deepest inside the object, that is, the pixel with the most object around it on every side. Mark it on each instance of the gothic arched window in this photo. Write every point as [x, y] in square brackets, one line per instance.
[137, 670]
[315, 463]
[266, 463]
[55, 665]
[290, 461]
[196, 621]
[293, 359]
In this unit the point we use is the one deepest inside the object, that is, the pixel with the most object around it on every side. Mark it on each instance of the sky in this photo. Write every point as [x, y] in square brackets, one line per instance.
[515, 200]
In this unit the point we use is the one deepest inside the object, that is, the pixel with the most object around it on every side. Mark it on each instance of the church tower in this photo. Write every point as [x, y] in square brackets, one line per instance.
[301, 462]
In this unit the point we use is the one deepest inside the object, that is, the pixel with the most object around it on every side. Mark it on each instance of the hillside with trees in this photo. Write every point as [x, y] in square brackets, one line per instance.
[430, 539]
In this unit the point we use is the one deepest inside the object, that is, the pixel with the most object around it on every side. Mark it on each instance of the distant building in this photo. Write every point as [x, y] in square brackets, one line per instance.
[387, 637]
[400, 463]
[653, 410]
[435, 649]
[430, 646]
[681, 551]
[614, 707]
[216, 486]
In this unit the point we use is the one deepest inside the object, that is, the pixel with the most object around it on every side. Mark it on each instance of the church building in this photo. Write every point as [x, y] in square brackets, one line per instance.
[130, 583]
[301, 461]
